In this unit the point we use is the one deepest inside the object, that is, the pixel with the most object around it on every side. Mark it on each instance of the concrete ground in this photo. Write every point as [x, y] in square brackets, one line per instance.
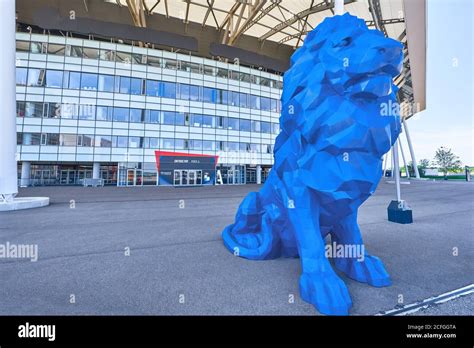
[178, 264]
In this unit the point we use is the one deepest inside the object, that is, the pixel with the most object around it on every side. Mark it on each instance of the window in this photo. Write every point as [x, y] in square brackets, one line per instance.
[209, 70]
[52, 139]
[234, 75]
[74, 51]
[167, 144]
[44, 139]
[68, 140]
[38, 47]
[19, 138]
[56, 49]
[90, 53]
[35, 77]
[194, 93]
[245, 125]
[123, 57]
[255, 126]
[21, 76]
[179, 119]
[119, 141]
[264, 82]
[135, 142]
[136, 86]
[136, 115]
[103, 141]
[275, 128]
[244, 147]
[123, 85]
[264, 103]
[222, 97]
[196, 120]
[168, 117]
[244, 77]
[34, 109]
[232, 146]
[153, 61]
[196, 145]
[208, 121]
[23, 46]
[265, 127]
[171, 64]
[152, 116]
[32, 139]
[120, 114]
[106, 83]
[243, 100]
[223, 73]
[254, 102]
[54, 79]
[267, 148]
[70, 111]
[208, 145]
[184, 91]
[74, 80]
[139, 58]
[104, 113]
[274, 105]
[221, 122]
[180, 144]
[86, 112]
[54, 110]
[152, 88]
[20, 109]
[254, 147]
[233, 98]
[107, 55]
[233, 123]
[89, 81]
[208, 95]
[169, 90]
[152, 143]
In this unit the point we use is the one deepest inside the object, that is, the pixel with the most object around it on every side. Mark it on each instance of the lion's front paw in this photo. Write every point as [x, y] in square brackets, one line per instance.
[326, 291]
[370, 270]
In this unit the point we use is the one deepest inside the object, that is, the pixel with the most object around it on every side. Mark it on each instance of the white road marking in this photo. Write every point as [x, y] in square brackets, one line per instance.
[415, 307]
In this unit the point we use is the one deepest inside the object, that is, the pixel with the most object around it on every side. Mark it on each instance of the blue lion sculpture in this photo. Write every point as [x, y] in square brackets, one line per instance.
[327, 160]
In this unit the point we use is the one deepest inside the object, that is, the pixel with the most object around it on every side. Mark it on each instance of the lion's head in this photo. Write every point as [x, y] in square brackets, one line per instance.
[333, 100]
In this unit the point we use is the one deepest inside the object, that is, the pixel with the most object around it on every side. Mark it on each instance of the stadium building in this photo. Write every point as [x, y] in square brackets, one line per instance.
[133, 93]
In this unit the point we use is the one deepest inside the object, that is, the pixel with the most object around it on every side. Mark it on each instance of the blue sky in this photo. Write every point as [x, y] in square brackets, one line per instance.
[448, 118]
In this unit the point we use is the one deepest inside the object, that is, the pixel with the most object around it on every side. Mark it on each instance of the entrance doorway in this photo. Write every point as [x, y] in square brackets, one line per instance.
[134, 177]
[187, 177]
[68, 177]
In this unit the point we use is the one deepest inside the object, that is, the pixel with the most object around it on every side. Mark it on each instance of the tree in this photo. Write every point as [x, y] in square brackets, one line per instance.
[446, 161]
[422, 165]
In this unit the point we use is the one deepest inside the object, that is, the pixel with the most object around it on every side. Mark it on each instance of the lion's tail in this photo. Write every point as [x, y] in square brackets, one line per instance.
[252, 235]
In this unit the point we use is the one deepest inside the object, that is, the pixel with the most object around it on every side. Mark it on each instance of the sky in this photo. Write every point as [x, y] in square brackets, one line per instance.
[449, 115]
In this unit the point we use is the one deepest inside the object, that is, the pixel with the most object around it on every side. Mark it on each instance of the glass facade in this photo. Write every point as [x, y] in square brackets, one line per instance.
[83, 101]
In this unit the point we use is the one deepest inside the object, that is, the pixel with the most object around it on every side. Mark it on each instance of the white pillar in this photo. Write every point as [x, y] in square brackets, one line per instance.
[259, 174]
[8, 165]
[385, 163]
[404, 161]
[96, 170]
[338, 7]
[25, 173]
[410, 147]
[396, 170]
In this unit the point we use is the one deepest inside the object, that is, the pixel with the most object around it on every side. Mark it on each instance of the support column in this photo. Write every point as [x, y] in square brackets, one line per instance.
[339, 7]
[404, 161]
[410, 146]
[396, 170]
[8, 165]
[25, 174]
[259, 174]
[96, 170]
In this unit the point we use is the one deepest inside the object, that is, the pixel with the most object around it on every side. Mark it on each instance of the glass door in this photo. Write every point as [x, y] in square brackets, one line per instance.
[134, 177]
[191, 177]
[184, 177]
[177, 178]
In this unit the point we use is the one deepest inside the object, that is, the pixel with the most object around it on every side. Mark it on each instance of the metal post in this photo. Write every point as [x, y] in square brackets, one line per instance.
[385, 164]
[410, 147]
[397, 170]
[393, 161]
[404, 162]
[259, 174]
[338, 7]
[8, 165]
